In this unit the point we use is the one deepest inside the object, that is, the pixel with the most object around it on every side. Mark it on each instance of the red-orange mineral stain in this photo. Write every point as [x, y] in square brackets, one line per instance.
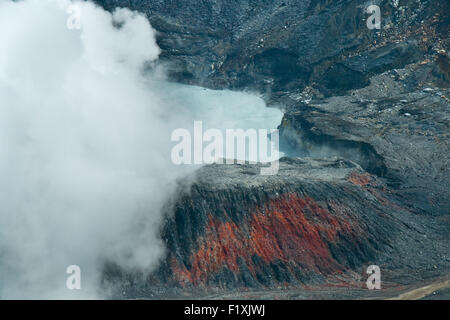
[293, 229]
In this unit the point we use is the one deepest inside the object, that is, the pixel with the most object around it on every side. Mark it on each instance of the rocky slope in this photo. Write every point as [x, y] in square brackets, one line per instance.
[315, 222]
[378, 100]
[285, 45]
[395, 132]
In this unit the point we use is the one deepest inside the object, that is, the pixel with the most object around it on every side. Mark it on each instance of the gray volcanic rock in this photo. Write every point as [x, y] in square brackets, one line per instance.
[355, 72]
[391, 130]
[284, 45]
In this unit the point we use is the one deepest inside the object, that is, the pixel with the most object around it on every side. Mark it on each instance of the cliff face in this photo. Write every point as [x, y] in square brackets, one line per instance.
[396, 128]
[316, 223]
[286, 45]
[252, 232]
[376, 99]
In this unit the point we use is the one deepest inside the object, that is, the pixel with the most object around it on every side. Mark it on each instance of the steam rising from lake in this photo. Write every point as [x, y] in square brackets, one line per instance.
[85, 167]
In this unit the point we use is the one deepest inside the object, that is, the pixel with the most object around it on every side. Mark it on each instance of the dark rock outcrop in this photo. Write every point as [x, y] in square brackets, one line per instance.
[315, 222]
[279, 45]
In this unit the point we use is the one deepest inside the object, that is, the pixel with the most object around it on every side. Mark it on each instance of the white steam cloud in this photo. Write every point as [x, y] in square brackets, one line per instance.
[82, 146]
[85, 165]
